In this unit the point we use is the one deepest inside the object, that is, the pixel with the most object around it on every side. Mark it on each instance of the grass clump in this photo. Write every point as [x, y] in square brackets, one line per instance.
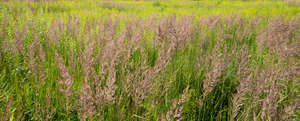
[58, 63]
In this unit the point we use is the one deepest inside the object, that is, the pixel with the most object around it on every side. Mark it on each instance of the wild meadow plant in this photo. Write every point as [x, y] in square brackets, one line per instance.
[155, 68]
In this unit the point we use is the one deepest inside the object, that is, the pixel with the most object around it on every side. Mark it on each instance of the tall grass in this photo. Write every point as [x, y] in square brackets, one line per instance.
[118, 67]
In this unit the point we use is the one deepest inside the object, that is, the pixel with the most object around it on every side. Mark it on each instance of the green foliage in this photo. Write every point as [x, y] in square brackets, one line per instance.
[31, 78]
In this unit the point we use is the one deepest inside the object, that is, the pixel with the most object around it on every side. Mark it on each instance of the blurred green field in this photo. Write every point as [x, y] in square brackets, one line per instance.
[162, 60]
[93, 8]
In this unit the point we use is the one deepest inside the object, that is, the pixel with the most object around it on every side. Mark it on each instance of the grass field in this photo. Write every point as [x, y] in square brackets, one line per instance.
[150, 60]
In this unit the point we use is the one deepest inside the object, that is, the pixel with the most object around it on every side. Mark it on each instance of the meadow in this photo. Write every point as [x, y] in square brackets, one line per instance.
[161, 60]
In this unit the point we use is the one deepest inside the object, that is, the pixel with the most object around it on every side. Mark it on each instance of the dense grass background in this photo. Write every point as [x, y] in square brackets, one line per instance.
[149, 60]
[96, 8]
